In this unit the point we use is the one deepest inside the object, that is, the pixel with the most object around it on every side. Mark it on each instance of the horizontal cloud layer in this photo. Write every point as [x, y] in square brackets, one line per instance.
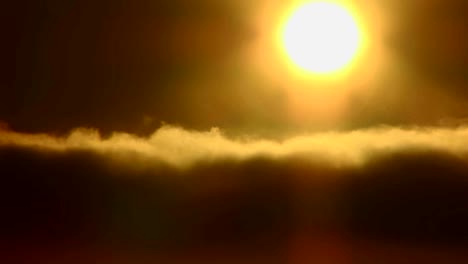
[203, 187]
[179, 147]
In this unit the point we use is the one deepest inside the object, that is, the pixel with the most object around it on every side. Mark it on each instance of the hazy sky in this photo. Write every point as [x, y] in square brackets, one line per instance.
[130, 65]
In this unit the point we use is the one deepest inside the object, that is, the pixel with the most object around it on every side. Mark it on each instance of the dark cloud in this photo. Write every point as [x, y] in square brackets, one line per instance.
[400, 186]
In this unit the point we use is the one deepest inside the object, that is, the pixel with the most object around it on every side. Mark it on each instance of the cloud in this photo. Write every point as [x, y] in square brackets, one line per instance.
[179, 147]
[178, 185]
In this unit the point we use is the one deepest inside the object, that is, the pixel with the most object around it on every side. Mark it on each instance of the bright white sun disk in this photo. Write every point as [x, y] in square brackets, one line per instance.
[321, 37]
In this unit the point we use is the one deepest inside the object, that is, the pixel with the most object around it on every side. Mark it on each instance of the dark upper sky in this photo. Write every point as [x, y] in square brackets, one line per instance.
[130, 65]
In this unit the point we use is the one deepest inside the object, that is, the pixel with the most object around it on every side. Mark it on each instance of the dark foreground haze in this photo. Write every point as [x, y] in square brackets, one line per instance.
[323, 198]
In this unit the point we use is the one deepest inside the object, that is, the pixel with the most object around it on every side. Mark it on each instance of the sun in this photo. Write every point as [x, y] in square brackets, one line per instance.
[321, 37]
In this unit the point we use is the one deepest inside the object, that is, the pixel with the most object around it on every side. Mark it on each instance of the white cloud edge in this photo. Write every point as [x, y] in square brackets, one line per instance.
[181, 147]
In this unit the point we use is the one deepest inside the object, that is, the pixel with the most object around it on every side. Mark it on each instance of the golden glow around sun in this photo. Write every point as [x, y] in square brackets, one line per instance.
[319, 54]
[321, 37]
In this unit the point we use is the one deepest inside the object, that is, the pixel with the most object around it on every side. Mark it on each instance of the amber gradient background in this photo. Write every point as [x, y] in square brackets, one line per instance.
[135, 65]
